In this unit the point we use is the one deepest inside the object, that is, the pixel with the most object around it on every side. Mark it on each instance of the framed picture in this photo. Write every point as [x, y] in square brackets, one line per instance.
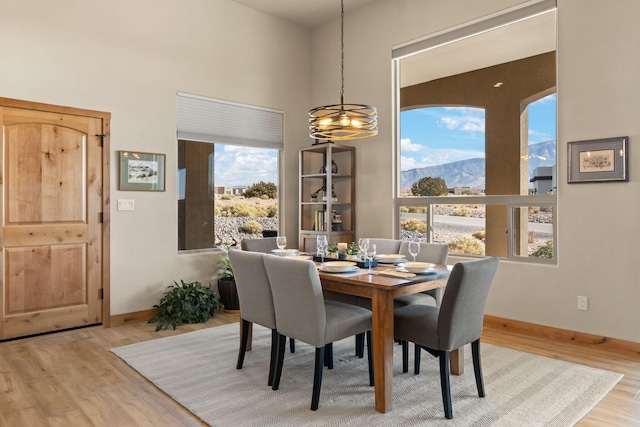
[141, 171]
[598, 160]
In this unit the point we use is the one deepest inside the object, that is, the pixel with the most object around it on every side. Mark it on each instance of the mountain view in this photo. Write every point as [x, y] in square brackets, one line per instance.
[471, 172]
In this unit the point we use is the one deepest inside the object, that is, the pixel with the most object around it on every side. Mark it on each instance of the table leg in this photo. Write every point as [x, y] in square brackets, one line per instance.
[382, 328]
[456, 361]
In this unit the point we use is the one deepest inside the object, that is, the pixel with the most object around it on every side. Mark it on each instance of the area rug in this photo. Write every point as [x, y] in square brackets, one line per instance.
[197, 369]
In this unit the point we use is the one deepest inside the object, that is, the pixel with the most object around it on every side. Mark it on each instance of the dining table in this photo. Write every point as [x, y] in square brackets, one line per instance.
[381, 286]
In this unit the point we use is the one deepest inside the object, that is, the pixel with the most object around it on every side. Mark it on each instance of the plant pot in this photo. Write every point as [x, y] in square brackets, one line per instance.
[229, 295]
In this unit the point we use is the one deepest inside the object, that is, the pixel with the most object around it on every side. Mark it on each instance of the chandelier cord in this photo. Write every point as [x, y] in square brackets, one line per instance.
[342, 51]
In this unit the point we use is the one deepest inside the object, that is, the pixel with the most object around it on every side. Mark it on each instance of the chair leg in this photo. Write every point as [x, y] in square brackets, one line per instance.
[360, 345]
[244, 339]
[370, 357]
[328, 355]
[282, 341]
[416, 359]
[274, 356]
[405, 356]
[292, 345]
[317, 378]
[477, 368]
[445, 385]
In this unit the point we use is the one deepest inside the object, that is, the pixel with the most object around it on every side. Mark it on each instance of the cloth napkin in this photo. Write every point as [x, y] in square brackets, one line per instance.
[398, 274]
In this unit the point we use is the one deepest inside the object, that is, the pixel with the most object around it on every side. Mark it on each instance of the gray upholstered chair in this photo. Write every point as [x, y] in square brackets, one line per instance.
[435, 253]
[386, 246]
[303, 314]
[458, 321]
[265, 245]
[256, 301]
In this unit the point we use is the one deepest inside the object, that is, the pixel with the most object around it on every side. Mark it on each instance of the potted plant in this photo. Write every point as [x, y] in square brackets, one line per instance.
[187, 302]
[332, 250]
[227, 283]
[352, 251]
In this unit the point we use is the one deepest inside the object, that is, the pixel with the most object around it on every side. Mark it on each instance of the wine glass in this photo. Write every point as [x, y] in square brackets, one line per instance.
[281, 241]
[414, 249]
[371, 253]
[321, 245]
[363, 245]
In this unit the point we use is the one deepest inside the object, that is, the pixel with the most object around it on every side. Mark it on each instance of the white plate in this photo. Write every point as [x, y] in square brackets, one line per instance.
[285, 252]
[427, 271]
[307, 257]
[416, 267]
[330, 270]
[390, 258]
[338, 266]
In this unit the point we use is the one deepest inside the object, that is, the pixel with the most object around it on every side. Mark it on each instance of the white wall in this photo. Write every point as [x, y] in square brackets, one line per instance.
[130, 58]
[598, 89]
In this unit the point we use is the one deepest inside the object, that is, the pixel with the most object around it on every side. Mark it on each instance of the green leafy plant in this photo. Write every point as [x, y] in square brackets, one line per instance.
[352, 249]
[429, 186]
[227, 271]
[187, 302]
[333, 248]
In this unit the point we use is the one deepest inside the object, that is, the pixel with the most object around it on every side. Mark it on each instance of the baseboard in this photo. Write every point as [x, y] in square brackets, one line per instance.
[135, 317]
[563, 335]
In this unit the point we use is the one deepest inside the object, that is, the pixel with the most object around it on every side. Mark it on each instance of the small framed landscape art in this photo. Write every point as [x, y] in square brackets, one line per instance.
[598, 160]
[141, 171]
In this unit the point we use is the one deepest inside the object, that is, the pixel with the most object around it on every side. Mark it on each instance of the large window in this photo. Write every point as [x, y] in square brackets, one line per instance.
[228, 163]
[477, 137]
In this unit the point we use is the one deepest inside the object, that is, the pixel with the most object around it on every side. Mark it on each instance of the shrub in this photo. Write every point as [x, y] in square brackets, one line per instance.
[262, 189]
[413, 225]
[462, 211]
[544, 251]
[466, 245]
[225, 197]
[404, 209]
[430, 186]
[252, 226]
[185, 303]
[417, 209]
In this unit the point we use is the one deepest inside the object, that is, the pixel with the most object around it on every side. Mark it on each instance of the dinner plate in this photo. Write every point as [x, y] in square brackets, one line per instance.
[285, 252]
[338, 266]
[330, 270]
[390, 258]
[427, 271]
[301, 257]
[416, 267]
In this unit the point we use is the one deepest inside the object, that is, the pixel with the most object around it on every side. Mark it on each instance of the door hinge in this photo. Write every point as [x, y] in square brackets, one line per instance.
[101, 293]
[101, 217]
[101, 139]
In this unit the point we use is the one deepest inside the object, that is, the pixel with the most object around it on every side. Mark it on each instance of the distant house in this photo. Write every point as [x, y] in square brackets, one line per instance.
[220, 190]
[544, 180]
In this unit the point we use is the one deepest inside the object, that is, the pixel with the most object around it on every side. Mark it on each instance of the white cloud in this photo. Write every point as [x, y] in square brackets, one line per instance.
[236, 165]
[406, 146]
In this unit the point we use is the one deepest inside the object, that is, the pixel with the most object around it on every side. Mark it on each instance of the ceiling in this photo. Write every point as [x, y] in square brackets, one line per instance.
[306, 13]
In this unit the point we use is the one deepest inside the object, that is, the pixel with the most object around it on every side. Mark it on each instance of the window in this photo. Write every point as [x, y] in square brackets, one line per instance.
[477, 137]
[228, 163]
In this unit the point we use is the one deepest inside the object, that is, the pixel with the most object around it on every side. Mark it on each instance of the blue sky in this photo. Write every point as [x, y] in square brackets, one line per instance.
[439, 135]
[237, 165]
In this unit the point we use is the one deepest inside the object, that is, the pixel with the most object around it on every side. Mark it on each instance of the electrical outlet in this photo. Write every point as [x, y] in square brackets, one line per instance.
[125, 205]
[583, 303]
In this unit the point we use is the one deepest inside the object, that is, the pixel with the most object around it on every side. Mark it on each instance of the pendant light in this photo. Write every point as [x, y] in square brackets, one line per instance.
[342, 121]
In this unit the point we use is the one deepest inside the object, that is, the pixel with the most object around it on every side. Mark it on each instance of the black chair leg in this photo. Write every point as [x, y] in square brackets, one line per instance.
[370, 357]
[244, 339]
[328, 355]
[405, 356]
[360, 345]
[477, 368]
[274, 356]
[416, 359]
[445, 385]
[282, 341]
[317, 378]
[292, 345]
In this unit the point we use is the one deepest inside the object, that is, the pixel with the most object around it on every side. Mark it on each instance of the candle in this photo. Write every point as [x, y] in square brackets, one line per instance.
[342, 247]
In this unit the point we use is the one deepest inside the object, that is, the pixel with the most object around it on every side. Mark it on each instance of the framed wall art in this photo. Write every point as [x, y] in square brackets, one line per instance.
[141, 171]
[598, 160]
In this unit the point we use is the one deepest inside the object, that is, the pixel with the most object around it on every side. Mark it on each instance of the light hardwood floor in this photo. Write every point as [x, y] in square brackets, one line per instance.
[72, 379]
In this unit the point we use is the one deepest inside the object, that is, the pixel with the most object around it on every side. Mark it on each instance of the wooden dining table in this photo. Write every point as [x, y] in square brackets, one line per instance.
[382, 289]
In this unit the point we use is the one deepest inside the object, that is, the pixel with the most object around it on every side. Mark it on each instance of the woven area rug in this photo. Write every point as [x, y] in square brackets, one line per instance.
[197, 369]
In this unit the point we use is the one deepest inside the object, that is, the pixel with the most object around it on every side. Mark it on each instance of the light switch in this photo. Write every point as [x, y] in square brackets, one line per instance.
[125, 205]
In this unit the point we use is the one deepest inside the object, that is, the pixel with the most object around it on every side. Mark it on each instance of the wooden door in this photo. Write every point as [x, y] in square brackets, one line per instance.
[52, 226]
